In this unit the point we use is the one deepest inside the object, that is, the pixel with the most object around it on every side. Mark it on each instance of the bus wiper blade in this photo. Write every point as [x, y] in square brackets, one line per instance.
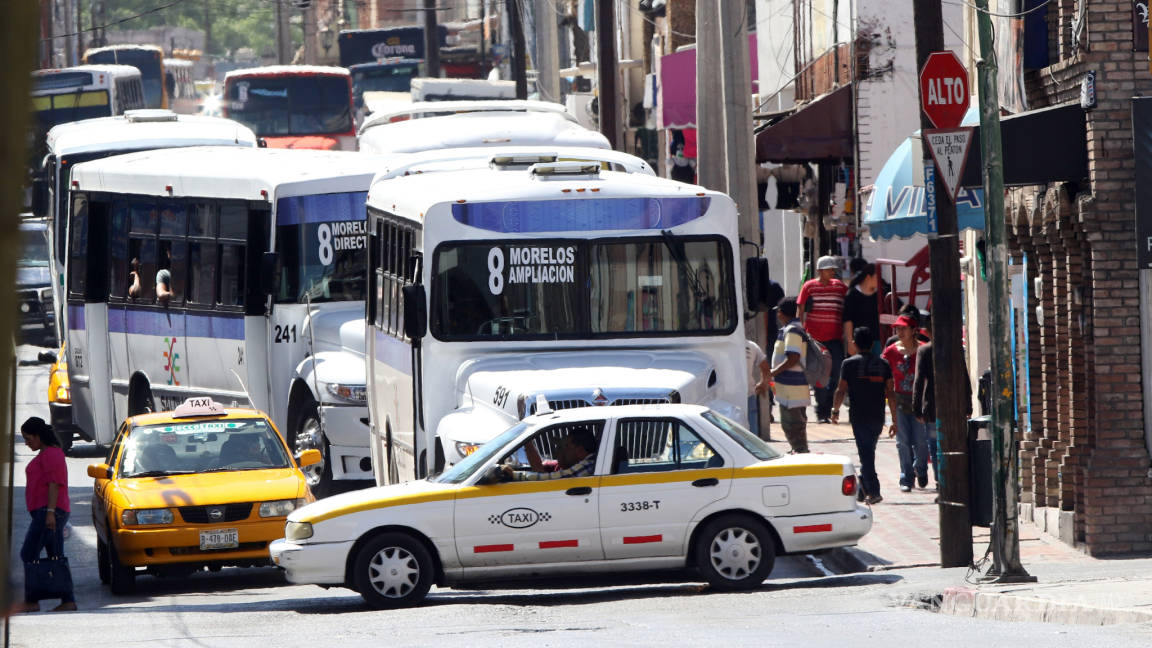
[162, 473]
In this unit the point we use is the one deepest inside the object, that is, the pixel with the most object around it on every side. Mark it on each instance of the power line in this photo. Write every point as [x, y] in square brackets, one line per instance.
[113, 23]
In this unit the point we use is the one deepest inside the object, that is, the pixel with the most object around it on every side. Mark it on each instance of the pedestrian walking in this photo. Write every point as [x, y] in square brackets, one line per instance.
[924, 403]
[821, 302]
[867, 381]
[46, 496]
[911, 438]
[787, 376]
[758, 369]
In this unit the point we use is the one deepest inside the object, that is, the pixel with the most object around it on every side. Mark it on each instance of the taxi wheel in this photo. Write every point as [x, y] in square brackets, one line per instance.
[735, 552]
[102, 561]
[121, 579]
[393, 570]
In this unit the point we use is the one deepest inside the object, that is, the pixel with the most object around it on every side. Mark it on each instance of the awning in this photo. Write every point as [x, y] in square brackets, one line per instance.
[1039, 146]
[678, 85]
[820, 130]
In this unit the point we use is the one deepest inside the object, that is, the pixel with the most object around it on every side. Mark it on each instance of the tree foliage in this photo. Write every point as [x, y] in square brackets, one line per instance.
[234, 23]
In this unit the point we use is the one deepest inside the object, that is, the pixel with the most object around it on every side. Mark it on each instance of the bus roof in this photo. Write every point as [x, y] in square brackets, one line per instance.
[418, 193]
[479, 129]
[126, 46]
[515, 157]
[286, 70]
[146, 129]
[444, 108]
[178, 62]
[383, 63]
[230, 173]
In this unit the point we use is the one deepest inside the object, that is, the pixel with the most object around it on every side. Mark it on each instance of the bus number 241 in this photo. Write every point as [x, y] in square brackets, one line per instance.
[284, 334]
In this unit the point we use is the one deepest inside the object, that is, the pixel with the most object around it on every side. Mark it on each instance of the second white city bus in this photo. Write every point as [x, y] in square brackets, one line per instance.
[491, 289]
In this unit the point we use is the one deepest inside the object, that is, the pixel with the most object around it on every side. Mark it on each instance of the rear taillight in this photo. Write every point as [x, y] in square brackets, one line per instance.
[848, 486]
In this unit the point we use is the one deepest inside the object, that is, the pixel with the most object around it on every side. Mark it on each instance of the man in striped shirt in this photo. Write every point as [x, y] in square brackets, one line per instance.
[821, 303]
[787, 375]
[575, 457]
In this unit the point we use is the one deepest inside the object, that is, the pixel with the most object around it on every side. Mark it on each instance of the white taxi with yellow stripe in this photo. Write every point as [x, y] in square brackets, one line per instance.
[668, 487]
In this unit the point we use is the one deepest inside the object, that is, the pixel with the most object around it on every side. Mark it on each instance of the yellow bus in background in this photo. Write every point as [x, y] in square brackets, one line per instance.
[149, 59]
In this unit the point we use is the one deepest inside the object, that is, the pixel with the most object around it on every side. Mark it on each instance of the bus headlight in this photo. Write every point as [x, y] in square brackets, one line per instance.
[146, 516]
[298, 530]
[350, 393]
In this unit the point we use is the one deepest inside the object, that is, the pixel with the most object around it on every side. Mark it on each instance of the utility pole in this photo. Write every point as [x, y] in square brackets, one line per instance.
[431, 40]
[283, 35]
[519, 65]
[309, 25]
[947, 333]
[1006, 567]
[208, 28]
[547, 54]
[606, 70]
[710, 168]
[70, 54]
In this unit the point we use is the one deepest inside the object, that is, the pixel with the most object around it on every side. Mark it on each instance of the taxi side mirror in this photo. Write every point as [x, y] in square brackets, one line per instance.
[100, 471]
[310, 457]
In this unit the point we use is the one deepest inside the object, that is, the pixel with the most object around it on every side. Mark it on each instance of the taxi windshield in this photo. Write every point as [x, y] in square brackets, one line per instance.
[750, 442]
[201, 447]
[477, 459]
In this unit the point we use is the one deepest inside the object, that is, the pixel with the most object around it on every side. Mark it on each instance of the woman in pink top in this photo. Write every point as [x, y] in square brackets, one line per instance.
[46, 494]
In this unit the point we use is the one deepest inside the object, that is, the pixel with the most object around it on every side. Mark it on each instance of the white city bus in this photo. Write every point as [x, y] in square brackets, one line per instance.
[296, 342]
[137, 130]
[489, 289]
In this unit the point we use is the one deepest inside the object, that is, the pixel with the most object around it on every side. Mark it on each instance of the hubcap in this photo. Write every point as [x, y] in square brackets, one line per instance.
[735, 553]
[308, 438]
[393, 572]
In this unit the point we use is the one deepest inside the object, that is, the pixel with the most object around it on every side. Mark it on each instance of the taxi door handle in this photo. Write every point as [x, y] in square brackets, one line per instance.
[707, 481]
[579, 490]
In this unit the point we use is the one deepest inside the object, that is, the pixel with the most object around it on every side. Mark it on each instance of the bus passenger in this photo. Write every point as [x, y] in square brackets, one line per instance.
[164, 274]
[134, 288]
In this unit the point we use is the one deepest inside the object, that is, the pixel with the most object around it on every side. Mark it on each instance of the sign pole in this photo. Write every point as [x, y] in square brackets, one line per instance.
[947, 329]
[1006, 567]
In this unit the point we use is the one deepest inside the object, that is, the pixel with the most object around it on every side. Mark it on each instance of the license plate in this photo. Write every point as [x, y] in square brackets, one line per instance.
[220, 539]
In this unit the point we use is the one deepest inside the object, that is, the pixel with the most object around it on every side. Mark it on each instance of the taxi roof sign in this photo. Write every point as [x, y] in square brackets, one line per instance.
[198, 406]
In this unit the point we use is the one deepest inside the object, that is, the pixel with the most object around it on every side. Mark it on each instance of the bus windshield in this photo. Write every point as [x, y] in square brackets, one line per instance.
[567, 288]
[321, 244]
[291, 105]
[384, 78]
[150, 64]
[53, 110]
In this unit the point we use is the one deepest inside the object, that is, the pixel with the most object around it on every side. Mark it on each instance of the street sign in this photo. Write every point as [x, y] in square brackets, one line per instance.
[932, 226]
[944, 94]
[949, 147]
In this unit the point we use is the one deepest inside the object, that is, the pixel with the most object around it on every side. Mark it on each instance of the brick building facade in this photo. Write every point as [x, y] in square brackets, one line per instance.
[1084, 464]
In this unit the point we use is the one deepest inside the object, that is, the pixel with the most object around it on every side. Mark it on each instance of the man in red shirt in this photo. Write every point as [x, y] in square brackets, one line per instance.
[821, 303]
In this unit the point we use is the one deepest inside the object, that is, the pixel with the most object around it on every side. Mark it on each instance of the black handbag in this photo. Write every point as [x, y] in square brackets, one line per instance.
[49, 577]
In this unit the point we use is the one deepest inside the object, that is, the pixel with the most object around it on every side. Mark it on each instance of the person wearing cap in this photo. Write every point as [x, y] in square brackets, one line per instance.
[911, 437]
[786, 375]
[821, 303]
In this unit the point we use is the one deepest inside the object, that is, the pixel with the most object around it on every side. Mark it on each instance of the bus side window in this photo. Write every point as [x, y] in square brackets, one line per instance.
[78, 248]
[200, 288]
[234, 226]
[173, 255]
[370, 309]
[118, 251]
[142, 252]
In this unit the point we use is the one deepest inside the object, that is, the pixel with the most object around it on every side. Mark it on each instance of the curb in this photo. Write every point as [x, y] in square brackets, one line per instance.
[964, 601]
[847, 560]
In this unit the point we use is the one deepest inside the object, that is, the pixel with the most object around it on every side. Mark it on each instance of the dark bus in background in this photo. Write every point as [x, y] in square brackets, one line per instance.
[390, 75]
[294, 106]
[372, 45]
[149, 59]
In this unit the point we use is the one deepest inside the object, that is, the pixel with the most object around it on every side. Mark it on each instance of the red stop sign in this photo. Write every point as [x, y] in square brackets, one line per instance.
[944, 89]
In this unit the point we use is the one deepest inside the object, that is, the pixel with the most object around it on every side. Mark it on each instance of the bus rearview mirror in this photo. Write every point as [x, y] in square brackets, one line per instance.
[415, 312]
[40, 195]
[268, 279]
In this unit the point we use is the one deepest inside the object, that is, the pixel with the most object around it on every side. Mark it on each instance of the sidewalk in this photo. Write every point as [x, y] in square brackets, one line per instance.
[1072, 587]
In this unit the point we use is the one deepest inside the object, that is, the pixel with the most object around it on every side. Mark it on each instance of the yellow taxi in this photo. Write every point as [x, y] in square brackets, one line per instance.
[60, 401]
[200, 486]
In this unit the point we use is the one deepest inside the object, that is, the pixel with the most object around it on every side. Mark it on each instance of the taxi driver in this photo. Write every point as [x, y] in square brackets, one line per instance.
[575, 457]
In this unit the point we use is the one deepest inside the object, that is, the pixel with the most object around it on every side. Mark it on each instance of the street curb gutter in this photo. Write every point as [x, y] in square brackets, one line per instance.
[964, 601]
[845, 560]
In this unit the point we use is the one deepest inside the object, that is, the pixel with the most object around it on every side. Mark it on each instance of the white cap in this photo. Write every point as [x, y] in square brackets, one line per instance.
[827, 263]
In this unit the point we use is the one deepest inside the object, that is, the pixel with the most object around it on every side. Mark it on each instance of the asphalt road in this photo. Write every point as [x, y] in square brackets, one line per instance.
[800, 605]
